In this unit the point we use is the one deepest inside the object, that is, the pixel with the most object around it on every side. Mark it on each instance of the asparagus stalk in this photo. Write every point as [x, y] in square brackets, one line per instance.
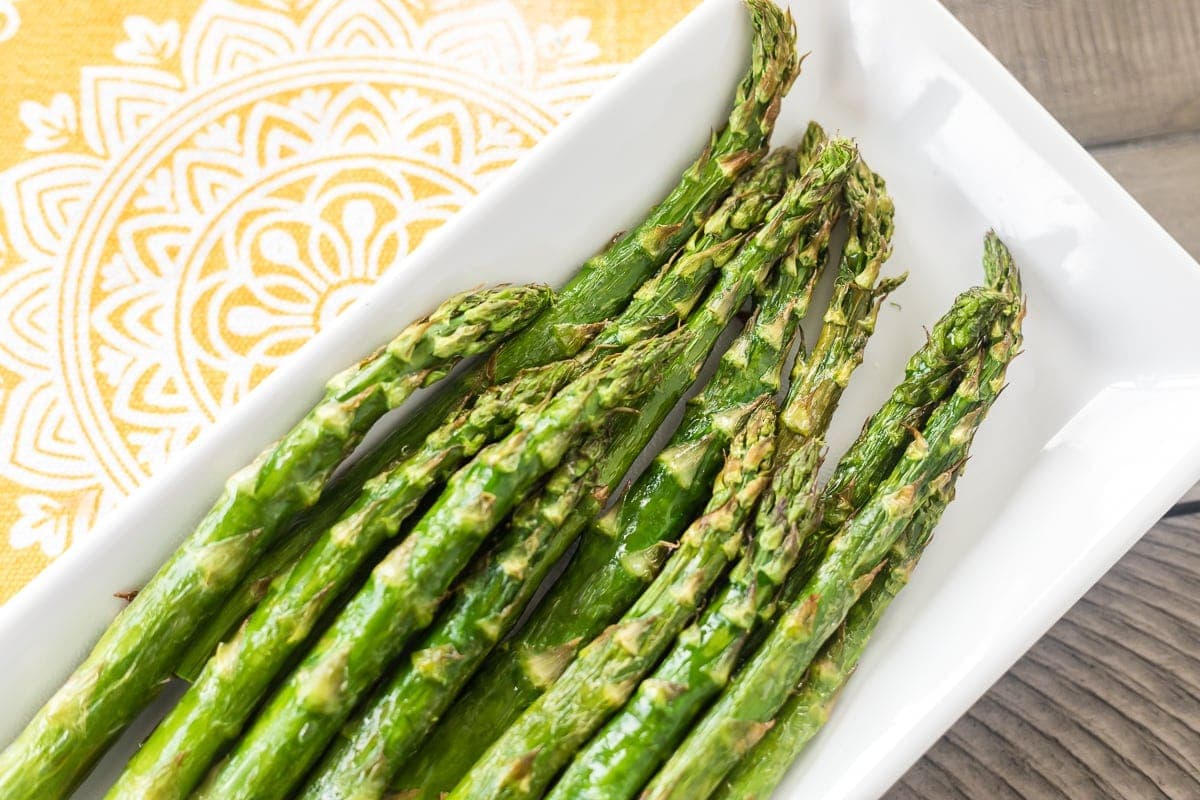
[929, 376]
[173, 760]
[819, 379]
[669, 297]
[805, 712]
[601, 285]
[404, 590]
[523, 761]
[1001, 273]
[658, 305]
[861, 469]
[931, 373]
[756, 776]
[137, 653]
[270, 570]
[391, 727]
[624, 754]
[748, 708]
[606, 281]
[485, 606]
[404, 711]
[622, 553]
[633, 744]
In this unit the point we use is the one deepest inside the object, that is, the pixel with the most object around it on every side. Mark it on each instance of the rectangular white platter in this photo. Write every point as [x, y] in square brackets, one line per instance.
[1097, 435]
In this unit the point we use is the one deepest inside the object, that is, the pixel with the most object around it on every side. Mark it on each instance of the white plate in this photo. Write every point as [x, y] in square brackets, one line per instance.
[1097, 435]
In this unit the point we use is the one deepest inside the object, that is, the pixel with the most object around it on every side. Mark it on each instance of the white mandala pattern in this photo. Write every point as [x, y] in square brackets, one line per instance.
[10, 19]
[217, 195]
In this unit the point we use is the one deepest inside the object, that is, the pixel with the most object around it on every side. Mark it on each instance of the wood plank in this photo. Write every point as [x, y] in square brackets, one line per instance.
[1164, 176]
[1110, 70]
[1106, 705]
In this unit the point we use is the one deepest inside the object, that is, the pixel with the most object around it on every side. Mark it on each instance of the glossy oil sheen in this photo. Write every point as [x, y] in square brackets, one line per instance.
[1096, 436]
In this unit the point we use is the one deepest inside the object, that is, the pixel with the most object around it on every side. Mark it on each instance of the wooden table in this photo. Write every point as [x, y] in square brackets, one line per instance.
[1107, 704]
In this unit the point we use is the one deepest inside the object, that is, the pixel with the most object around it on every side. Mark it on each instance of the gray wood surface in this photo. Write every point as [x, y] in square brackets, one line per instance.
[1107, 704]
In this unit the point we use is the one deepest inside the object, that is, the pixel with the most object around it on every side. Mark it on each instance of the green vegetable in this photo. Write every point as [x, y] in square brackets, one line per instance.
[404, 711]
[763, 768]
[803, 714]
[621, 554]
[746, 711]
[405, 588]
[930, 375]
[212, 712]
[636, 741]
[624, 754]
[484, 608]
[660, 304]
[606, 281]
[526, 757]
[599, 289]
[669, 297]
[138, 652]
[819, 379]
[657, 307]
[757, 775]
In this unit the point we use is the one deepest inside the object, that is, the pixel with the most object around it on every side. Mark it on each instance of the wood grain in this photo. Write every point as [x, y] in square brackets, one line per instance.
[1164, 176]
[1109, 70]
[1107, 704]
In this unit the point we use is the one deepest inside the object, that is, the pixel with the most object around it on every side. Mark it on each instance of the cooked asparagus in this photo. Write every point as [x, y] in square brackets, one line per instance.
[212, 712]
[602, 283]
[623, 754]
[525, 758]
[756, 776]
[360, 762]
[401, 713]
[620, 555]
[747, 710]
[660, 304]
[405, 588]
[122, 674]
[606, 281]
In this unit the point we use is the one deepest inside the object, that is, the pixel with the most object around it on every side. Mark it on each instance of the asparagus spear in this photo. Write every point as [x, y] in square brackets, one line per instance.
[1001, 271]
[931, 373]
[748, 708]
[606, 281]
[597, 291]
[175, 757]
[657, 306]
[756, 776]
[387, 732]
[622, 553]
[270, 570]
[525, 758]
[819, 379]
[805, 712]
[135, 656]
[395, 720]
[404, 589]
[670, 296]
[359, 762]
[633, 744]
[626, 751]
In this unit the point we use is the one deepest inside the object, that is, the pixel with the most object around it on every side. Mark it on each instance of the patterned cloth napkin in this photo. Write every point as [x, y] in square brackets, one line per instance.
[190, 189]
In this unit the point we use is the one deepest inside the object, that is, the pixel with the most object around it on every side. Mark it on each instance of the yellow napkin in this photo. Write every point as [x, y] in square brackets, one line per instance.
[190, 190]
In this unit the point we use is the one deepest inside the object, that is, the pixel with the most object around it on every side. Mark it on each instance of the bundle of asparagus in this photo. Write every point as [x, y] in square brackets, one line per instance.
[349, 636]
